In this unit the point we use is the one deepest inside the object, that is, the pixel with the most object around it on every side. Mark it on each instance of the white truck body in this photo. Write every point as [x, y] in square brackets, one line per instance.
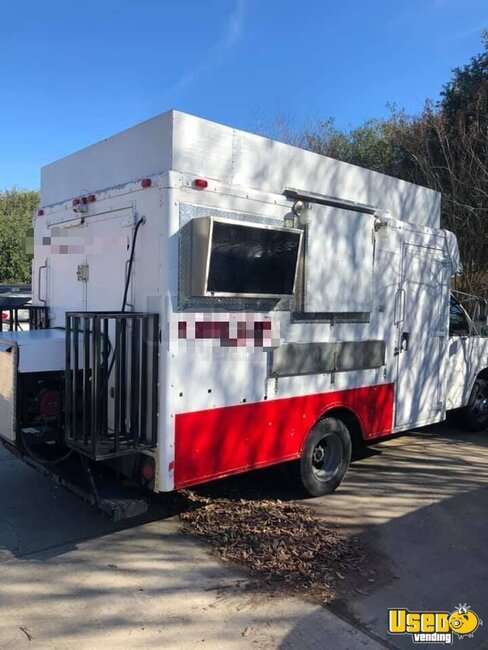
[244, 377]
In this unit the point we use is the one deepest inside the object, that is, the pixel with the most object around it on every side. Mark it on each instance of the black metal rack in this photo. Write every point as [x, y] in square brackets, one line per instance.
[38, 318]
[111, 382]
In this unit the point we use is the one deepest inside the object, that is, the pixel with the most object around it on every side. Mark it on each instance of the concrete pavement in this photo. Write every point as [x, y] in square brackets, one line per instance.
[151, 587]
[71, 578]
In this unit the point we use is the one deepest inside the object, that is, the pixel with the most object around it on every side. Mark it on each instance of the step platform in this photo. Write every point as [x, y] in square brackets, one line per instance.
[77, 475]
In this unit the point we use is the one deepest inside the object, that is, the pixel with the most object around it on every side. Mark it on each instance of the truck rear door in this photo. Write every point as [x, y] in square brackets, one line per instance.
[108, 242]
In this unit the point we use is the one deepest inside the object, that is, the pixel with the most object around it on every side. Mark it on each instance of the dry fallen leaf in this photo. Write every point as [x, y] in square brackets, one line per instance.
[26, 632]
[284, 543]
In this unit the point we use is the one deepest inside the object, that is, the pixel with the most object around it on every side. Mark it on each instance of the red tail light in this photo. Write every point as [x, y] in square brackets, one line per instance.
[50, 403]
[147, 470]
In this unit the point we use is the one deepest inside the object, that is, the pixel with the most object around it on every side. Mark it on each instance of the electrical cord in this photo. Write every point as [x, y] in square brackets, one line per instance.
[126, 289]
[131, 262]
[40, 459]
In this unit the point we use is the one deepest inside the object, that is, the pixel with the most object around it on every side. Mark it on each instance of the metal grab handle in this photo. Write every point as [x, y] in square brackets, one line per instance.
[44, 266]
[400, 301]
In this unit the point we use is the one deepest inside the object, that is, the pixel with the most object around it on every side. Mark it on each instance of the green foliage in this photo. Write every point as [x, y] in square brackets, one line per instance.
[468, 86]
[369, 145]
[16, 209]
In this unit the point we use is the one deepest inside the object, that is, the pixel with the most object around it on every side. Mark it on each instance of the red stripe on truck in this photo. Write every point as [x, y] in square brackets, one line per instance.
[218, 442]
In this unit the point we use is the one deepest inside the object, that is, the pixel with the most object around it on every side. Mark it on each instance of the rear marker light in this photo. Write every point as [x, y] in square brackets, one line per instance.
[148, 471]
[76, 202]
[50, 403]
[40, 213]
[146, 182]
[91, 198]
[200, 183]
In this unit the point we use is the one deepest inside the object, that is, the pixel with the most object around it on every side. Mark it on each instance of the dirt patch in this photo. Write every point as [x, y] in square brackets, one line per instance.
[284, 544]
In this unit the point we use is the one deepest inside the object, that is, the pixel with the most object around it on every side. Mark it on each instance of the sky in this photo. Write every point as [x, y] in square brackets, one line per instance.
[73, 73]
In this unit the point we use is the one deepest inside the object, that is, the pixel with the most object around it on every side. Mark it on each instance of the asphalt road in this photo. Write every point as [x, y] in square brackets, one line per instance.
[422, 502]
[72, 578]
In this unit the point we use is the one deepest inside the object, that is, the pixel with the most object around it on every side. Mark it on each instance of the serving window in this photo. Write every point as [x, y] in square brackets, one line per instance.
[243, 259]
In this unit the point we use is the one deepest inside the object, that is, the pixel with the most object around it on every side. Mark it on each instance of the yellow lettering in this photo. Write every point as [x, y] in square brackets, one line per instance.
[428, 623]
[413, 622]
[442, 622]
[397, 620]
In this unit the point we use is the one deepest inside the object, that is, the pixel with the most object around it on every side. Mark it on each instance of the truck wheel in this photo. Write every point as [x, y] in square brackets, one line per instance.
[474, 416]
[325, 457]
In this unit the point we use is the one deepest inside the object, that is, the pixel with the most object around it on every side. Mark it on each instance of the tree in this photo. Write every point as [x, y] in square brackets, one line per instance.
[370, 145]
[448, 148]
[16, 209]
[465, 95]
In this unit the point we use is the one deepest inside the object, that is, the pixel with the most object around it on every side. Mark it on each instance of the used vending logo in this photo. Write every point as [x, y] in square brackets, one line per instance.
[434, 627]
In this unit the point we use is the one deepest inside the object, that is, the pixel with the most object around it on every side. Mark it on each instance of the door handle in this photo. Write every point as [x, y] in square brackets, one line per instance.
[404, 341]
[44, 266]
[400, 300]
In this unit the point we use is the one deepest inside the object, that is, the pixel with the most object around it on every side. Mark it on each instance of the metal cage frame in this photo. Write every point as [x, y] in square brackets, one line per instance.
[97, 344]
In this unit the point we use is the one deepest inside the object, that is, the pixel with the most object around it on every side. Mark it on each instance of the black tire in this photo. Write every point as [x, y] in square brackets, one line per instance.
[325, 458]
[474, 416]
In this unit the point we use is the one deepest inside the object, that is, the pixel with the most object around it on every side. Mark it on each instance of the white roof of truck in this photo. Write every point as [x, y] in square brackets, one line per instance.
[191, 145]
